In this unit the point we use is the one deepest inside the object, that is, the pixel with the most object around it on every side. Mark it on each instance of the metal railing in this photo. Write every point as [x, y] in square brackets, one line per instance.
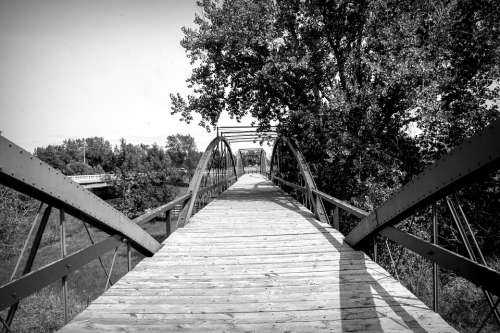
[90, 179]
[25, 173]
[473, 158]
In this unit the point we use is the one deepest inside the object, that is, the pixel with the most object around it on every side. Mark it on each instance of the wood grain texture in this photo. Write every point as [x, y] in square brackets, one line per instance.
[255, 260]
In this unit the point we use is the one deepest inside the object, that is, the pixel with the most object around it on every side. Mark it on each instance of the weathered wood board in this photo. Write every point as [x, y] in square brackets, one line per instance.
[255, 260]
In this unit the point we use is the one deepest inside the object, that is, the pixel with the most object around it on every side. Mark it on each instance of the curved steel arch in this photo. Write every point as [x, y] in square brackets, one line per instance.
[263, 162]
[194, 185]
[239, 163]
[27, 174]
[475, 156]
[319, 209]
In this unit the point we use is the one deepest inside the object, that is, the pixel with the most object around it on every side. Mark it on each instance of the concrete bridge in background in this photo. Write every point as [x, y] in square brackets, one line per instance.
[103, 180]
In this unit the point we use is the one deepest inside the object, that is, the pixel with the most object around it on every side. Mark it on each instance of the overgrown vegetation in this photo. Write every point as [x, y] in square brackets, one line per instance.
[383, 87]
[44, 310]
[147, 176]
[16, 213]
[96, 155]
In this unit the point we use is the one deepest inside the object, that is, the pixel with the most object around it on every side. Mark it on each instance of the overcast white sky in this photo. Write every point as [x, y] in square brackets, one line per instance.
[73, 69]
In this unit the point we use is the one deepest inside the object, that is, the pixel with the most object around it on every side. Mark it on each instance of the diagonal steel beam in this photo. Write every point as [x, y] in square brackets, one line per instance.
[31, 258]
[12, 292]
[474, 272]
[195, 184]
[474, 157]
[27, 174]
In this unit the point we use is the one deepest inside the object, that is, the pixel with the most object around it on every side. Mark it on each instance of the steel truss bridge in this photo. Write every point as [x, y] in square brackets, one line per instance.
[253, 249]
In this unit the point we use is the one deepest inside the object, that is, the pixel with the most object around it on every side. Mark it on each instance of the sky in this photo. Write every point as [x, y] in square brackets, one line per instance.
[74, 69]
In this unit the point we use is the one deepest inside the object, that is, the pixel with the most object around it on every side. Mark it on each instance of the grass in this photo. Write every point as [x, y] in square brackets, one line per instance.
[461, 303]
[44, 310]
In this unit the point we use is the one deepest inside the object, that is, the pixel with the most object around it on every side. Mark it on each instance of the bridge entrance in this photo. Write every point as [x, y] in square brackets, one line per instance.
[257, 260]
[248, 256]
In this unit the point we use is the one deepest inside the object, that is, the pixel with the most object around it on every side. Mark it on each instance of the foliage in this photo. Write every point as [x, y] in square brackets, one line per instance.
[69, 156]
[141, 191]
[372, 91]
[383, 87]
[16, 214]
[44, 310]
[182, 151]
[100, 157]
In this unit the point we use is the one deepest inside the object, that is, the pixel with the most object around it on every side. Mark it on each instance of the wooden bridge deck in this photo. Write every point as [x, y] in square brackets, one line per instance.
[255, 260]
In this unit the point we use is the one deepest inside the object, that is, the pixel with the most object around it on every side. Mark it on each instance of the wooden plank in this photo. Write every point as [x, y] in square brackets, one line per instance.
[256, 260]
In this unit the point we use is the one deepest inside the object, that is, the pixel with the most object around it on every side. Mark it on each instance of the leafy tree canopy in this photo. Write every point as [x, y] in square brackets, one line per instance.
[383, 86]
[182, 151]
[100, 157]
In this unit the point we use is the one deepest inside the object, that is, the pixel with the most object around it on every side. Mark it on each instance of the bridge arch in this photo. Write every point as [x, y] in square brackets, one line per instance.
[217, 157]
[263, 162]
[216, 170]
[276, 173]
[466, 163]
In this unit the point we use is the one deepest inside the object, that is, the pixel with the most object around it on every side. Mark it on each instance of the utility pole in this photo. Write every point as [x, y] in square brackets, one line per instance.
[83, 151]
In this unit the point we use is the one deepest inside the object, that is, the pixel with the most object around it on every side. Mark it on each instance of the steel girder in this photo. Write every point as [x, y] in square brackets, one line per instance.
[194, 185]
[306, 175]
[27, 174]
[476, 273]
[13, 292]
[472, 158]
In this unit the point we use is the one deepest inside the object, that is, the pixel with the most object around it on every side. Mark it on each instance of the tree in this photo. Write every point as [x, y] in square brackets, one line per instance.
[130, 157]
[69, 156]
[350, 77]
[52, 155]
[372, 90]
[98, 152]
[182, 151]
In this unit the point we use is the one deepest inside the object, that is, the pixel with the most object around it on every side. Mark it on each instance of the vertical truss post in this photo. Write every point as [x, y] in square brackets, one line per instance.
[264, 155]
[375, 254]
[99, 257]
[224, 168]
[470, 251]
[336, 218]
[216, 157]
[435, 268]
[39, 213]
[129, 257]
[224, 161]
[111, 269]
[5, 326]
[64, 281]
[485, 320]
[393, 263]
[167, 223]
[31, 258]
[278, 162]
[26, 242]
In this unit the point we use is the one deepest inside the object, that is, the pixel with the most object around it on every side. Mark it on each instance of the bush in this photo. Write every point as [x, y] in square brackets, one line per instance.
[141, 191]
[16, 215]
